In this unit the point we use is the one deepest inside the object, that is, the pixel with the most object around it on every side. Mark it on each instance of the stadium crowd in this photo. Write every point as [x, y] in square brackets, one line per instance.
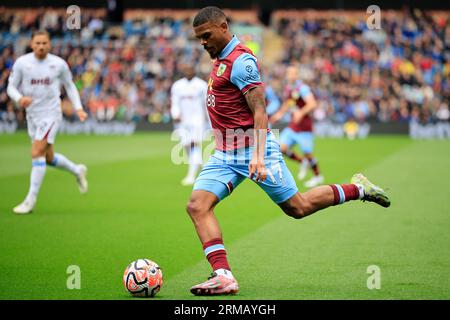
[397, 73]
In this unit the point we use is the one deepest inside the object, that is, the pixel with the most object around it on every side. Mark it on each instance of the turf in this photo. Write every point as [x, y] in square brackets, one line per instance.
[135, 209]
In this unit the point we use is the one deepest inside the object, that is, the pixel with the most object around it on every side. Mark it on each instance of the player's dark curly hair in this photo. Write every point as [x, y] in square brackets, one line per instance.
[209, 14]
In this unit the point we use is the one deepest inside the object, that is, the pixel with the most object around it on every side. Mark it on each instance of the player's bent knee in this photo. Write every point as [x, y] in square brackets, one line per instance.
[39, 149]
[195, 208]
[37, 152]
[49, 159]
[295, 213]
[297, 209]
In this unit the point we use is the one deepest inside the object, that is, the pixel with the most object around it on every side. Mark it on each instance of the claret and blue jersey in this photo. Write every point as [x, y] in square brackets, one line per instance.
[236, 71]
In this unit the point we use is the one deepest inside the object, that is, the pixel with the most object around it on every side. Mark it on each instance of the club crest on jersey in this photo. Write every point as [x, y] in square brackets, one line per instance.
[221, 69]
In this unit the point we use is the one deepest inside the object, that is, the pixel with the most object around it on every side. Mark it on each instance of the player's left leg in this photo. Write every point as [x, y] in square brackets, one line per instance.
[60, 161]
[281, 187]
[303, 204]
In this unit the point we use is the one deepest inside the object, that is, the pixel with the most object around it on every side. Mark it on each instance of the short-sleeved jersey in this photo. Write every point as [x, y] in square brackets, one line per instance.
[298, 92]
[234, 72]
[41, 80]
[188, 100]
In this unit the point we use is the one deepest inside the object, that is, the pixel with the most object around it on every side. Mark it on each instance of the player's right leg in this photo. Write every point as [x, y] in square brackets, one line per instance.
[39, 129]
[215, 182]
[38, 169]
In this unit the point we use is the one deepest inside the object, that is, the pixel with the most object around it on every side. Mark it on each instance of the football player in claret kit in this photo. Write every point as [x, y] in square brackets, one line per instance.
[188, 96]
[245, 148]
[34, 84]
[299, 98]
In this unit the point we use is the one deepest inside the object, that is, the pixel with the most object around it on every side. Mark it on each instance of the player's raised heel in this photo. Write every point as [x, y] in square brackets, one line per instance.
[216, 285]
[372, 193]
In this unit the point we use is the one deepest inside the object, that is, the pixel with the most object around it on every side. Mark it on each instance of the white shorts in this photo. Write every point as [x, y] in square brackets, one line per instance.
[190, 133]
[44, 128]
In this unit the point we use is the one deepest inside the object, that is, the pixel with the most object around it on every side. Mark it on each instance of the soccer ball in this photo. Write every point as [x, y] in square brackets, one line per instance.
[143, 278]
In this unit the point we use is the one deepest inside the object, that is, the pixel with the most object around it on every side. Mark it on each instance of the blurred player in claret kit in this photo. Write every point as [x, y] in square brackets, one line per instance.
[236, 106]
[188, 96]
[299, 98]
[35, 84]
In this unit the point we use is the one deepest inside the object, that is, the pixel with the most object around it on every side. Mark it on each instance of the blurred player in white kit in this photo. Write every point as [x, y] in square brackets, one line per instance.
[188, 110]
[34, 84]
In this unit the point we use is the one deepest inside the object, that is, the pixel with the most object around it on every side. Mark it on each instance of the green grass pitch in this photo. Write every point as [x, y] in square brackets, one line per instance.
[135, 208]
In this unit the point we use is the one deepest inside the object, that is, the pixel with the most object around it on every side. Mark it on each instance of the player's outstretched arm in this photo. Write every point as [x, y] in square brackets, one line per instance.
[256, 101]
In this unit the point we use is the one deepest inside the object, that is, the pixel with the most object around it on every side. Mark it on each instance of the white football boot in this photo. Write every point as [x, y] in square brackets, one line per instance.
[25, 207]
[82, 179]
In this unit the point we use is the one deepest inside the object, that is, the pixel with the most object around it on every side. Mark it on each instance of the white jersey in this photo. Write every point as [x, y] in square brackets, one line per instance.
[188, 99]
[41, 80]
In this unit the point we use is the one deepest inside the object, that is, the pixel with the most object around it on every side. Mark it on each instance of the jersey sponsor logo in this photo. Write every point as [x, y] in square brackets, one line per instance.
[45, 81]
[221, 69]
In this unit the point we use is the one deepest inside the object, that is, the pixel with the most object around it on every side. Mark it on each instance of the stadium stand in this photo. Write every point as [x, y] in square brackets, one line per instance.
[124, 72]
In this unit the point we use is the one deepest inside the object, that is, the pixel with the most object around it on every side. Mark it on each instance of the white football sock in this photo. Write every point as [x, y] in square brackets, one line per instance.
[60, 161]
[360, 189]
[36, 177]
[225, 273]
